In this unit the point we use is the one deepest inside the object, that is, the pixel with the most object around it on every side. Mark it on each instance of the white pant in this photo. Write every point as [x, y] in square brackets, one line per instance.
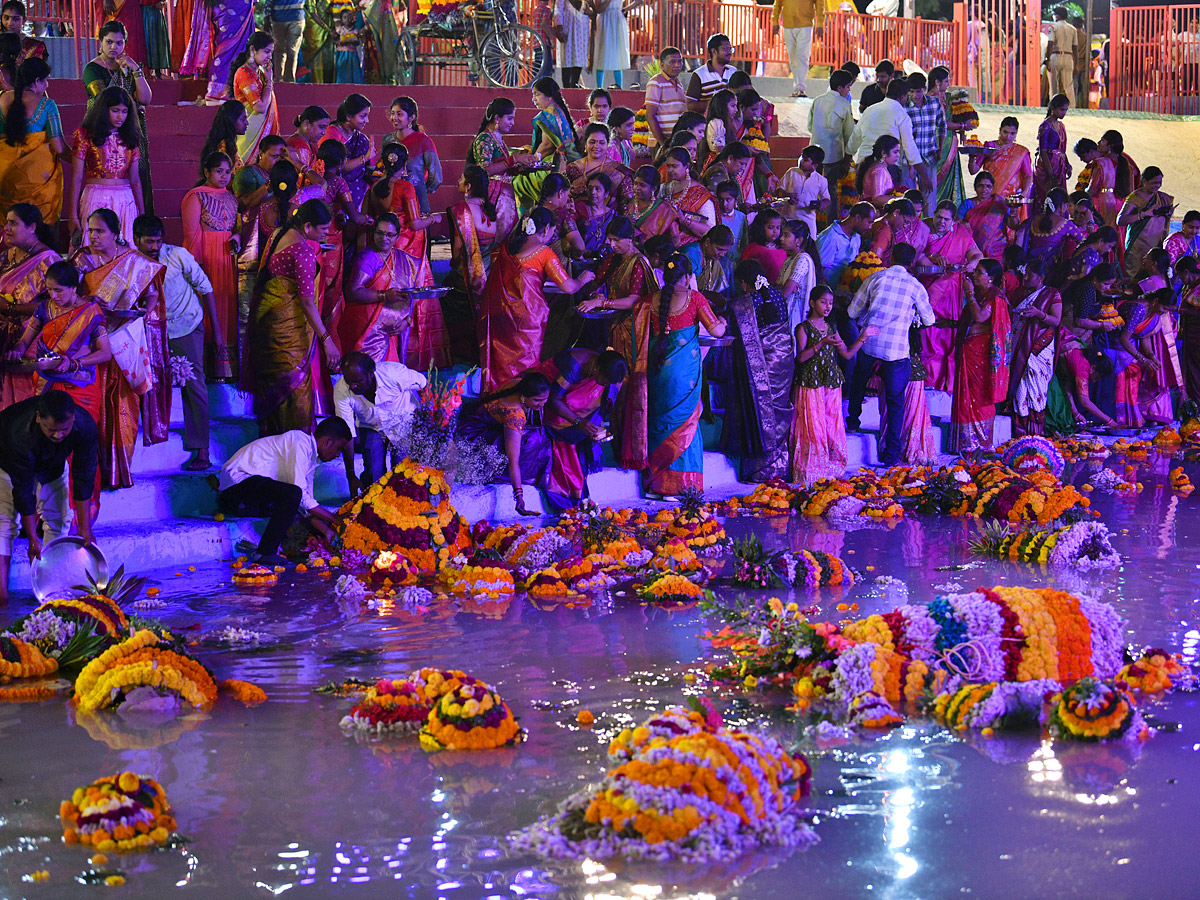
[53, 506]
[799, 50]
[1062, 75]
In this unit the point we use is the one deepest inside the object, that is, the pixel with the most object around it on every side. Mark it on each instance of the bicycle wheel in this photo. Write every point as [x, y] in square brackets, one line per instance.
[512, 56]
[406, 59]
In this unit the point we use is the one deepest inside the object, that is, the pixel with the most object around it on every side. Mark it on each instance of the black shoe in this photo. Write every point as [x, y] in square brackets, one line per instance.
[853, 427]
[263, 559]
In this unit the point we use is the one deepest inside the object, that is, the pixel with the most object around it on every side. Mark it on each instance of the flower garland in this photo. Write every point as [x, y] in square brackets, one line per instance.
[21, 659]
[479, 581]
[244, 691]
[255, 577]
[1095, 710]
[100, 612]
[702, 795]
[549, 582]
[470, 717]
[144, 660]
[121, 813]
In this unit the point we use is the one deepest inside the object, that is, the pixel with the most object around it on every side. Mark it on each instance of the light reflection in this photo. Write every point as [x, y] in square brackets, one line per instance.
[1043, 766]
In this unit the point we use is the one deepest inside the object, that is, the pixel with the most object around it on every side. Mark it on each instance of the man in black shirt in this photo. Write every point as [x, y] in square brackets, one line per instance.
[36, 437]
[885, 71]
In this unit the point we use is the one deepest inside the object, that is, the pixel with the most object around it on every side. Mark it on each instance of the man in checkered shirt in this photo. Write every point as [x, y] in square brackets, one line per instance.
[892, 301]
[929, 129]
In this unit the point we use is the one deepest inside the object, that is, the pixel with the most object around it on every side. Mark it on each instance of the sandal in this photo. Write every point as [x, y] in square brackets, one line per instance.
[197, 464]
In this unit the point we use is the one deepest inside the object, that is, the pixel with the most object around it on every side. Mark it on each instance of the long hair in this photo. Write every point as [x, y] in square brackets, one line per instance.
[394, 158]
[496, 109]
[883, 146]
[676, 268]
[97, 127]
[15, 124]
[531, 384]
[31, 217]
[476, 178]
[284, 183]
[332, 153]
[758, 228]
[555, 183]
[541, 218]
[1124, 181]
[222, 135]
[1054, 199]
[550, 88]
[311, 212]
[804, 239]
[718, 108]
[409, 106]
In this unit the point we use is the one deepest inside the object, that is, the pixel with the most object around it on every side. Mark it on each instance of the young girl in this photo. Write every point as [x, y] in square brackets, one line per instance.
[210, 213]
[798, 275]
[818, 430]
[349, 53]
[395, 193]
[105, 175]
[424, 164]
[254, 86]
[620, 129]
[599, 105]
[764, 244]
[719, 128]
[225, 133]
[728, 197]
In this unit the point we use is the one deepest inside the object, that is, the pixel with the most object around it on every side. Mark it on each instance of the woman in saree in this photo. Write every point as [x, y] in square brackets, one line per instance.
[1097, 247]
[949, 169]
[1053, 167]
[1036, 316]
[111, 67]
[32, 151]
[651, 214]
[28, 252]
[232, 25]
[1152, 325]
[353, 116]
[380, 36]
[1102, 184]
[1146, 218]
[190, 57]
[319, 43]
[581, 383]
[424, 164]
[1189, 324]
[254, 86]
[1048, 236]
[1186, 241]
[503, 418]
[627, 276]
[138, 378]
[900, 224]
[331, 160]
[302, 144]
[554, 140]
[489, 152]
[1008, 163]
[513, 314]
[981, 365]
[556, 197]
[987, 216]
[758, 411]
[695, 206]
[473, 241]
[597, 161]
[210, 234]
[951, 245]
[675, 458]
[105, 174]
[378, 314]
[286, 340]
[593, 212]
[873, 180]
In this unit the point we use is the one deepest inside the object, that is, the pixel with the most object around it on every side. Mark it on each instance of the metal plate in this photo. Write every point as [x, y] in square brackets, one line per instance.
[598, 313]
[431, 293]
[709, 341]
[65, 563]
[125, 314]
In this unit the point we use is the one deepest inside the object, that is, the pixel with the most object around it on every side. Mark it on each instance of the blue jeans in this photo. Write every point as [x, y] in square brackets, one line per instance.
[895, 375]
[370, 442]
[848, 329]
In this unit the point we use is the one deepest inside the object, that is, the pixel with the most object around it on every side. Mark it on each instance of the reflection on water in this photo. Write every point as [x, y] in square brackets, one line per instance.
[277, 801]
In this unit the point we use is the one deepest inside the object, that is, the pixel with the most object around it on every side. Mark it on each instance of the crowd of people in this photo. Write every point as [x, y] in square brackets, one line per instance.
[609, 288]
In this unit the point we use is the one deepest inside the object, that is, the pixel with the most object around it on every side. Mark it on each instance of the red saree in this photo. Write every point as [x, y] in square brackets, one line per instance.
[371, 327]
[946, 298]
[512, 316]
[980, 379]
[20, 283]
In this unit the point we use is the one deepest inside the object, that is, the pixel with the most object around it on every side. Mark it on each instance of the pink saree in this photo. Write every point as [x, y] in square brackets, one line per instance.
[946, 298]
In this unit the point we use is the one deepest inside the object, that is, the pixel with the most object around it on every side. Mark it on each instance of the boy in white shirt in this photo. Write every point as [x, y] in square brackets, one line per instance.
[806, 188]
[273, 477]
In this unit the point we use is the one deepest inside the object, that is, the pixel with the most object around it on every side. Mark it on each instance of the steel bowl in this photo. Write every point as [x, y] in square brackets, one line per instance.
[66, 563]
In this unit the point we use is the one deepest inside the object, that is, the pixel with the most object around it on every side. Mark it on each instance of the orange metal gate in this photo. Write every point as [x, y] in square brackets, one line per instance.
[1154, 59]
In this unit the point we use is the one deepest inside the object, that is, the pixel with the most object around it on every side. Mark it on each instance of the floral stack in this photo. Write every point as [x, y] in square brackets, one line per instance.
[120, 813]
[986, 660]
[472, 716]
[695, 524]
[1082, 545]
[144, 667]
[407, 512]
[398, 705]
[684, 787]
[860, 269]
[755, 567]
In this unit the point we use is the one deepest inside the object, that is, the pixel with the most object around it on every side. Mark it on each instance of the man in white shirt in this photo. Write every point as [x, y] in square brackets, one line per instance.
[188, 299]
[830, 125]
[366, 388]
[806, 189]
[888, 116]
[273, 477]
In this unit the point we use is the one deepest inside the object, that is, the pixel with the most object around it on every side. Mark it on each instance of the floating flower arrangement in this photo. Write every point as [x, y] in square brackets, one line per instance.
[402, 704]
[120, 813]
[682, 789]
[670, 587]
[1094, 710]
[145, 660]
[255, 576]
[1083, 545]
[470, 717]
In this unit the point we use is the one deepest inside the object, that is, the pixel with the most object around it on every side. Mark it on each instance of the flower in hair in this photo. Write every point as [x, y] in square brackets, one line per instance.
[283, 185]
[671, 266]
[530, 227]
[761, 283]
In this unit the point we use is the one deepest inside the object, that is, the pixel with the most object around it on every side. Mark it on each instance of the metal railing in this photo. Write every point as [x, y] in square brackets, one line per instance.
[1154, 59]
